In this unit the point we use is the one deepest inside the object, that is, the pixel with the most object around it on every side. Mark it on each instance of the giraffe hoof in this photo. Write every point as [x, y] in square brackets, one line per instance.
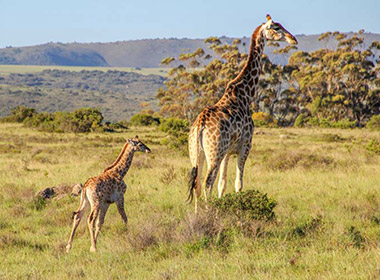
[68, 247]
[92, 249]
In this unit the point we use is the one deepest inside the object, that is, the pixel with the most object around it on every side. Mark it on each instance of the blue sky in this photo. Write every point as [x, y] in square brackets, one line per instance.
[27, 22]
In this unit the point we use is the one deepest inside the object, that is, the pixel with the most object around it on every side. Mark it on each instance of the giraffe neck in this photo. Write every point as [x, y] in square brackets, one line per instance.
[244, 87]
[122, 163]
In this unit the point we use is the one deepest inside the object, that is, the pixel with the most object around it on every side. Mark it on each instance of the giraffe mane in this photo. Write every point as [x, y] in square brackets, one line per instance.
[250, 56]
[118, 158]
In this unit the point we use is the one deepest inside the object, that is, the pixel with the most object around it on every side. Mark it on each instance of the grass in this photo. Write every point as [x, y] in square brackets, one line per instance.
[325, 183]
[22, 69]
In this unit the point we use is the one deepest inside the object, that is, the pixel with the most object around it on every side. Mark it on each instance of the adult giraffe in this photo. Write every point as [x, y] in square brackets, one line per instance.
[227, 127]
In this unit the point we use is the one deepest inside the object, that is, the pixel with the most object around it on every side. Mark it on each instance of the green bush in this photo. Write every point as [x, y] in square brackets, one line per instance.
[325, 122]
[144, 120]
[301, 120]
[263, 119]
[174, 127]
[81, 120]
[251, 204]
[345, 124]
[19, 114]
[177, 130]
[373, 146]
[374, 123]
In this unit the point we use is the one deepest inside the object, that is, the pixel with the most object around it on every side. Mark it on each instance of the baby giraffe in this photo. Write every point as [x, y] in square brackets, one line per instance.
[102, 190]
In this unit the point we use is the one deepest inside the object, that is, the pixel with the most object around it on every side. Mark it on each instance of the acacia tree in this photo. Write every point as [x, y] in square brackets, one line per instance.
[339, 83]
[277, 95]
[194, 83]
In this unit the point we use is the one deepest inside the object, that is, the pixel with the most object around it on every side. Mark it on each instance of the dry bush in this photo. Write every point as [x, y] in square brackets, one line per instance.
[196, 226]
[11, 240]
[144, 236]
[142, 162]
[307, 160]
[168, 175]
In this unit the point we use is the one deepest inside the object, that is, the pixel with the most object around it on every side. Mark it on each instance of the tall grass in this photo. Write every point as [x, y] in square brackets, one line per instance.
[325, 182]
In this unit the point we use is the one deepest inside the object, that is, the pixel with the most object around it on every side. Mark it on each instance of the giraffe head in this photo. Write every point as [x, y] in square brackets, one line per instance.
[274, 31]
[138, 145]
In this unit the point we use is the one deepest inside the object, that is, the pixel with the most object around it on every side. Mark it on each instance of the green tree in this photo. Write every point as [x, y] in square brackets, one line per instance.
[200, 79]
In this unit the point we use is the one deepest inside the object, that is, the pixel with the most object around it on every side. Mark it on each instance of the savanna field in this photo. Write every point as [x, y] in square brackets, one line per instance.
[326, 226]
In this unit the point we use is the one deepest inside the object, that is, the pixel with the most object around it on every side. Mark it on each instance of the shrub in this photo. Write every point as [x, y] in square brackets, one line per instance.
[175, 127]
[263, 119]
[144, 120]
[300, 121]
[19, 114]
[345, 124]
[373, 146]
[250, 204]
[327, 122]
[374, 123]
[177, 130]
[81, 120]
[289, 160]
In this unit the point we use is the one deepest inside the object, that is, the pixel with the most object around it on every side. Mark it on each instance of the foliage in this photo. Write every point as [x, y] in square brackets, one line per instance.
[19, 114]
[301, 120]
[263, 119]
[374, 123]
[335, 87]
[373, 146]
[250, 204]
[339, 83]
[115, 93]
[198, 80]
[177, 131]
[144, 120]
[80, 120]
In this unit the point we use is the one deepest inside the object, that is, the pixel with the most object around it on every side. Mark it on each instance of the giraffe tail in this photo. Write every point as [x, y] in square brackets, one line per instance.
[192, 183]
[82, 198]
[198, 141]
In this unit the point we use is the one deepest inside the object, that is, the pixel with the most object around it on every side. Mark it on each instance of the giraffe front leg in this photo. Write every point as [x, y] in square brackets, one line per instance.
[223, 176]
[102, 215]
[91, 226]
[120, 208]
[242, 157]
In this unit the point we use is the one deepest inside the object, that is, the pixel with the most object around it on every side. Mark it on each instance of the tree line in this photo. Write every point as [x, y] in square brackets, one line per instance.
[333, 86]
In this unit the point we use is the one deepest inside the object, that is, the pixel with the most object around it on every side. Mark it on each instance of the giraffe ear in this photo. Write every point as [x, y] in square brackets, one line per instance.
[269, 17]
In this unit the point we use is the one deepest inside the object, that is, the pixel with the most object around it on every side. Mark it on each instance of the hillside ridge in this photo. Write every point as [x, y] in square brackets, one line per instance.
[137, 53]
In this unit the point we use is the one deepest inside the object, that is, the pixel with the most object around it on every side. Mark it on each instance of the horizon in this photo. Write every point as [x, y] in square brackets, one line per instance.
[163, 38]
[42, 21]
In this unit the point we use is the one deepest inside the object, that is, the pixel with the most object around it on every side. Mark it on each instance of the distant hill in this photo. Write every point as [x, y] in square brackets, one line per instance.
[134, 53]
[117, 94]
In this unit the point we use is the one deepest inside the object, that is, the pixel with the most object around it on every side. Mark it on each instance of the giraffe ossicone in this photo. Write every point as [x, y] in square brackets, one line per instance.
[101, 191]
[226, 128]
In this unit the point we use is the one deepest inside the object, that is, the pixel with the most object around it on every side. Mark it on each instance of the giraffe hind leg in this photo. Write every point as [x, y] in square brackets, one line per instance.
[91, 226]
[222, 184]
[77, 217]
[242, 157]
[212, 172]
